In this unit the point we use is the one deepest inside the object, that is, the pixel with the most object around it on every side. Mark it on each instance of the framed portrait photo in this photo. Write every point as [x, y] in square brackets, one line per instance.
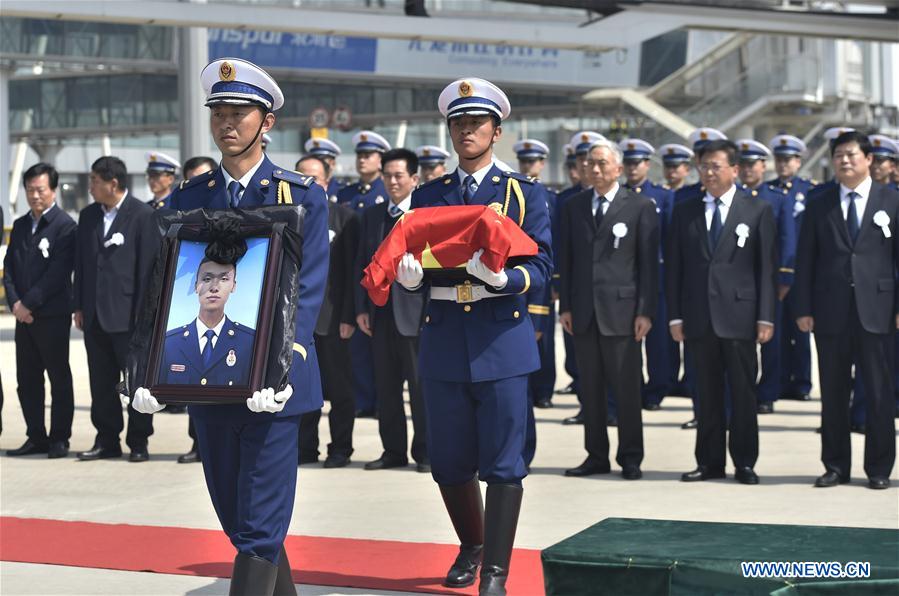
[219, 322]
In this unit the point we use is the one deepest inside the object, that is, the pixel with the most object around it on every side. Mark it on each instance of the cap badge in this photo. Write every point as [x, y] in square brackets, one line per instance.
[703, 135]
[585, 137]
[630, 147]
[527, 145]
[226, 71]
[152, 157]
[783, 141]
[426, 152]
[744, 146]
[465, 89]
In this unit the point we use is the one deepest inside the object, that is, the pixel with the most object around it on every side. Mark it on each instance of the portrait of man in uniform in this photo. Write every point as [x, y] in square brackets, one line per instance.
[213, 348]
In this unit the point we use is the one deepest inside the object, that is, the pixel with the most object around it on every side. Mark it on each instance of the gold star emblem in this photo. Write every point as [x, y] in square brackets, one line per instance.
[264, 182]
[495, 178]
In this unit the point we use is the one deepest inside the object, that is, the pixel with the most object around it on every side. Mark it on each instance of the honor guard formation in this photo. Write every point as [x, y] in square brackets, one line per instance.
[707, 284]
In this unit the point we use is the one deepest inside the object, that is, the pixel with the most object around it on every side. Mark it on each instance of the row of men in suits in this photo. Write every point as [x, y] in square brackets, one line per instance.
[93, 273]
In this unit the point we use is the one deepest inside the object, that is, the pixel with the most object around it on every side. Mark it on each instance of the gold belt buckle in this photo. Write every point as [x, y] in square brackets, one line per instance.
[464, 293]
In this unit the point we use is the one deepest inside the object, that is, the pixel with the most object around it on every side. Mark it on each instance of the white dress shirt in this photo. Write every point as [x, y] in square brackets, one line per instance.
[110, 214]
[726, 199]
[403, 205]
[201, 332]
[478, 176]
[244, 180]
[594, 205]
[863, 190]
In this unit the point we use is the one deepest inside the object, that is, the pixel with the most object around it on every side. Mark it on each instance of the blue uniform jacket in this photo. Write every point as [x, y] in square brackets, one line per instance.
[787, 234]
[493, 338]
[664, 201]
[182, 363]
[272, 185]
[689, 191]
[540, 302]
[360, 195]
[561, 197]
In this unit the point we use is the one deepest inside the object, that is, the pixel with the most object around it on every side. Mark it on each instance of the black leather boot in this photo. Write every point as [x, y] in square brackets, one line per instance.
[252, 576]
[466, 510]
[501, 520]
[284, 582]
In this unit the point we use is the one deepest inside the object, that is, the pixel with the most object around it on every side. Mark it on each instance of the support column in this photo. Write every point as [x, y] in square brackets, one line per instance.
[193, 119]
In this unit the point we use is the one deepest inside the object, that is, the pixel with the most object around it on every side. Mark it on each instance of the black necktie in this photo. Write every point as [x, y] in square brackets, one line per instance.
[469, 187]
[852, 216]
[597, 217]
[717, 225]
[234, 193]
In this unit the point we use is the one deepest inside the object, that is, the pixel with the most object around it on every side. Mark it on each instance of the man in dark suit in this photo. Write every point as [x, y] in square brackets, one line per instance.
[846, 293]
[609, 284]
[116, 249]
[335, 325]
[721, 267]
[394, 327]
[37, 275]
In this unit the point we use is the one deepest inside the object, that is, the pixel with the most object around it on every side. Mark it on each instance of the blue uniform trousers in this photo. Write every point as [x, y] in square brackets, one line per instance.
[662, 358]
[477, 428]
[795, 354]
[768, 389]
[363, 372]
[543, 381]
[251, 474]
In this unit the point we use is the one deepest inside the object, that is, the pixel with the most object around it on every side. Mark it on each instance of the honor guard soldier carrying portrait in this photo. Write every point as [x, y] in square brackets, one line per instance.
[161, 170]
[327, 150]
[370, 188]
[477, 345]
[431, 162]
[249, 452]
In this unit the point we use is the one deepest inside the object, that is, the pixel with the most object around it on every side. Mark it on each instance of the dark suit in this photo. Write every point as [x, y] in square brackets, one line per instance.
[44, 285]
[607, 281]
[109, 282]
[720, 295]
[334, 352]
[395, 329]
[850, 290]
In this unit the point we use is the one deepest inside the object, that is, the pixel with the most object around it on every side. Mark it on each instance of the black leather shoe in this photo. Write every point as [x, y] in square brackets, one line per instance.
[692, 423]
[702, 473]
[423, 468]
[612, 421]
[652, 407]
[387, 461]
[360, 413]
[567, 390]
[307, 457]
[139, 455]
[828, 479]
[878, 483]
[589, 468]
[543, 403]
[746, 475]
[58, 449]
[174, 409]
[336, 460]
[98, 452]
[29, 447]
[796, 396]
[765, 407]
[576, 419]
[857, 428]
[631, 473]
[191, 457]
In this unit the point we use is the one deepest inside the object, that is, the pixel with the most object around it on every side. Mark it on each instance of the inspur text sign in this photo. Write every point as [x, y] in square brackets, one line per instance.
[429, 59]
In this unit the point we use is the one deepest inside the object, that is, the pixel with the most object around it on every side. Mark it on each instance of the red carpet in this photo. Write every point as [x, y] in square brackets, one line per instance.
[342, 562]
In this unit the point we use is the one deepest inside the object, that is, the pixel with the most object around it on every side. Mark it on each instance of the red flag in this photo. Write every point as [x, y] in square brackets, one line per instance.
[445, 238]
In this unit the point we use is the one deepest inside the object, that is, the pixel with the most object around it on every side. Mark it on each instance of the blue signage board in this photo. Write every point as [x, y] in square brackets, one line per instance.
[295, 50]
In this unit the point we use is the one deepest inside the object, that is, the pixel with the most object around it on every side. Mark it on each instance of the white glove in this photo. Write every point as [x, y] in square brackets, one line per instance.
[269, 401]
[144, 402]
[477, 268]
[409, 272]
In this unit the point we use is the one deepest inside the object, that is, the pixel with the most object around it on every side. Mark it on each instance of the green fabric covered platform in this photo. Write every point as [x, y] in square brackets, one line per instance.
[646, 557]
